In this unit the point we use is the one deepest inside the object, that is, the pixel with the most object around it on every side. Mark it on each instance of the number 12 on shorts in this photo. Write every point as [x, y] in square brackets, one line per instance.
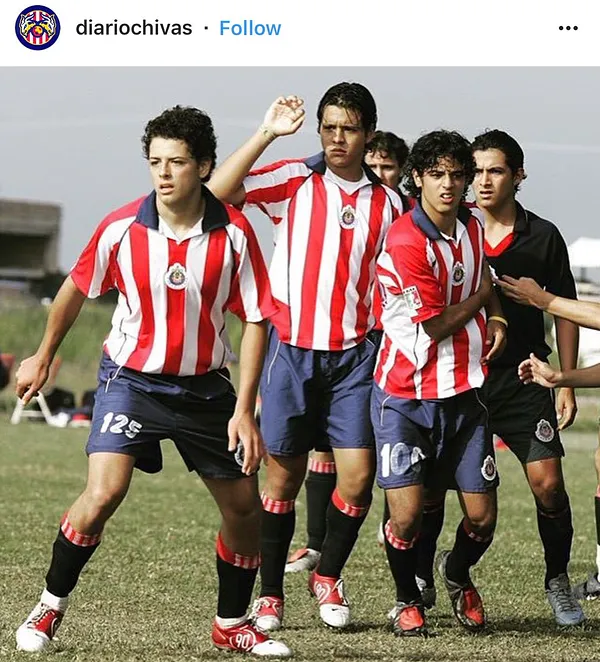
[120, 424]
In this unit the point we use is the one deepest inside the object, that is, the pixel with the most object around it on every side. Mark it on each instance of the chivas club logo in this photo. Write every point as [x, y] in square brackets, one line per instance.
[544, 431]
[37, 27]
[458, 273]
[348, 217]
[176, 277]
[488, 469]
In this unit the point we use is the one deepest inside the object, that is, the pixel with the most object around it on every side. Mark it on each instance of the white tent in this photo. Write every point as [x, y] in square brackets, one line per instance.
[585, 253]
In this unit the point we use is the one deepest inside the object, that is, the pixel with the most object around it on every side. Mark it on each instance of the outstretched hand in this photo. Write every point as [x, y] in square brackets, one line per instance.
[535, 371]
[285, 116]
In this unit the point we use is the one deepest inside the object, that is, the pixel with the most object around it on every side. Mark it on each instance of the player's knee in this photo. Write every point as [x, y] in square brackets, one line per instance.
[356, 486]
[550, 492]
[103, 501]
[284, 486]
[482, 523]
[242, 511]
[406, 522]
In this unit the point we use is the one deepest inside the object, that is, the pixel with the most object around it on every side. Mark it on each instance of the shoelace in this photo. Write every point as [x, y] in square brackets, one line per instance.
[262, 602]
[44, 610]
[565, 600]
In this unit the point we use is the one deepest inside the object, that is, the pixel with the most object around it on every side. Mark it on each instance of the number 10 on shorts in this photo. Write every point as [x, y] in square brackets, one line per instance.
[120, 424]
[397, 459]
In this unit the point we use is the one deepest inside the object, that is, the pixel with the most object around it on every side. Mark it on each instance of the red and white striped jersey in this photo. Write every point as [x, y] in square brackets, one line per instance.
[170, 315]
[326, 242]
[421, 272]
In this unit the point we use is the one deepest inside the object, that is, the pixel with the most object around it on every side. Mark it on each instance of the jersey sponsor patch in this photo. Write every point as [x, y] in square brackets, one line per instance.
[488, 468]
[544, 431]
[412, 298]
[176, 277]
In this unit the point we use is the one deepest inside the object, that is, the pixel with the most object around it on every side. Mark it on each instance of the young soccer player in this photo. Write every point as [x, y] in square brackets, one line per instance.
[427, 406]
[179, 259]
[330, 216]
[385, 155]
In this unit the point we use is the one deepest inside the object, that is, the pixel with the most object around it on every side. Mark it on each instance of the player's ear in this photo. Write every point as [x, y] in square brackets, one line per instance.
[204, 167]
[520, 176]
[417, 179]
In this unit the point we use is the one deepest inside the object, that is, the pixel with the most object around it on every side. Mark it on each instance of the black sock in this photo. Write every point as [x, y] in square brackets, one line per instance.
[556, 532]
[277, 534]
[68, 560]
[237, 575]
[342, 532]
[319, 488]
[426, 545]
[468, 549]
[402, 559]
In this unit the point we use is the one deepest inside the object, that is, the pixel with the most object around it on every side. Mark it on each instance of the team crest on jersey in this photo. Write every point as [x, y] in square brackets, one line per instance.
[458, 273]
[544, 431]
[37, 27]
[348, 217]
[488, 468]
[176, 277]
[412, 298]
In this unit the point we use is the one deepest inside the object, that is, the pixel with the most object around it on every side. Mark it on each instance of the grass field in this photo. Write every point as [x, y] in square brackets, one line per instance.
[149, 593]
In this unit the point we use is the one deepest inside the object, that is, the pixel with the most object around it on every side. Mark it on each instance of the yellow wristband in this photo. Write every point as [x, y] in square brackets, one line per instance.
[267, 133]
[497, 318]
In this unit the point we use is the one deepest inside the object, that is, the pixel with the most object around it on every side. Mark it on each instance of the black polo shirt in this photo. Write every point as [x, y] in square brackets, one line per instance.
[537, 250]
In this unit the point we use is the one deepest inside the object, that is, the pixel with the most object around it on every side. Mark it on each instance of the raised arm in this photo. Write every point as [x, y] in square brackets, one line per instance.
[284, 117]
[33, 371]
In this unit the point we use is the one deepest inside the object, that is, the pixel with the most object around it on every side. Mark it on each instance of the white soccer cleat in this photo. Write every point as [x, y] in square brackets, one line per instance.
[248, 638]
[267, 613]
[36, 633]
[334, 609]
[303, 559]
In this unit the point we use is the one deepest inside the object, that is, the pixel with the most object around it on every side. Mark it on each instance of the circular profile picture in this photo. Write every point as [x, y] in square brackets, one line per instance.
[37, 27]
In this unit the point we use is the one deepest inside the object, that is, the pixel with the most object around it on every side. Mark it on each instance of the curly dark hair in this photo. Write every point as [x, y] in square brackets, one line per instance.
[386, 142]
[505, 143]
[430, 148]
[354, 97]
[191, 125]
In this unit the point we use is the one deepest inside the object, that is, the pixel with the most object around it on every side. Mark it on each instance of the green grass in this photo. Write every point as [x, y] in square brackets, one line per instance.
[149, 593]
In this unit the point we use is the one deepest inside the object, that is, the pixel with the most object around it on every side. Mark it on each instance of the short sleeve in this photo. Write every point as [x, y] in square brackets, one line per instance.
[250, 296]
[560, 278]
[415, 279]
[93, 273]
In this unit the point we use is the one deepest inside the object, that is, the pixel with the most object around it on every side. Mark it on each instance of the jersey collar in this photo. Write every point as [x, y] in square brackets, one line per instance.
[215, 214]
[428, 227]
[317, 164]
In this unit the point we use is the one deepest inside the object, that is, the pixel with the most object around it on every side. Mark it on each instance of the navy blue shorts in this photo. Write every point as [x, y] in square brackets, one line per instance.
[134, 411]
[316, 399]
[442, 444]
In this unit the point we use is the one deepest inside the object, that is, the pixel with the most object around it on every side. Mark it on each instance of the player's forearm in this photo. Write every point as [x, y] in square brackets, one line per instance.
[227, 180]
[567, 343]
[63, 313]
[582, 378]
[584, 313]
[453, 317]
[252, 354]
[493, 306]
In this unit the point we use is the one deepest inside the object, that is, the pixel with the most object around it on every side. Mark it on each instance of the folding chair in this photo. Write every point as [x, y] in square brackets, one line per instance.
[21, 411]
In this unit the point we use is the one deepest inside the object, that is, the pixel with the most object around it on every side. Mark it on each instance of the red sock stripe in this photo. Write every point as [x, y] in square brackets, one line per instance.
[276, 507]
[473, 535]
[79, 539]
[321, 467]
[346, 508]
[238, 560]
[397, 543]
